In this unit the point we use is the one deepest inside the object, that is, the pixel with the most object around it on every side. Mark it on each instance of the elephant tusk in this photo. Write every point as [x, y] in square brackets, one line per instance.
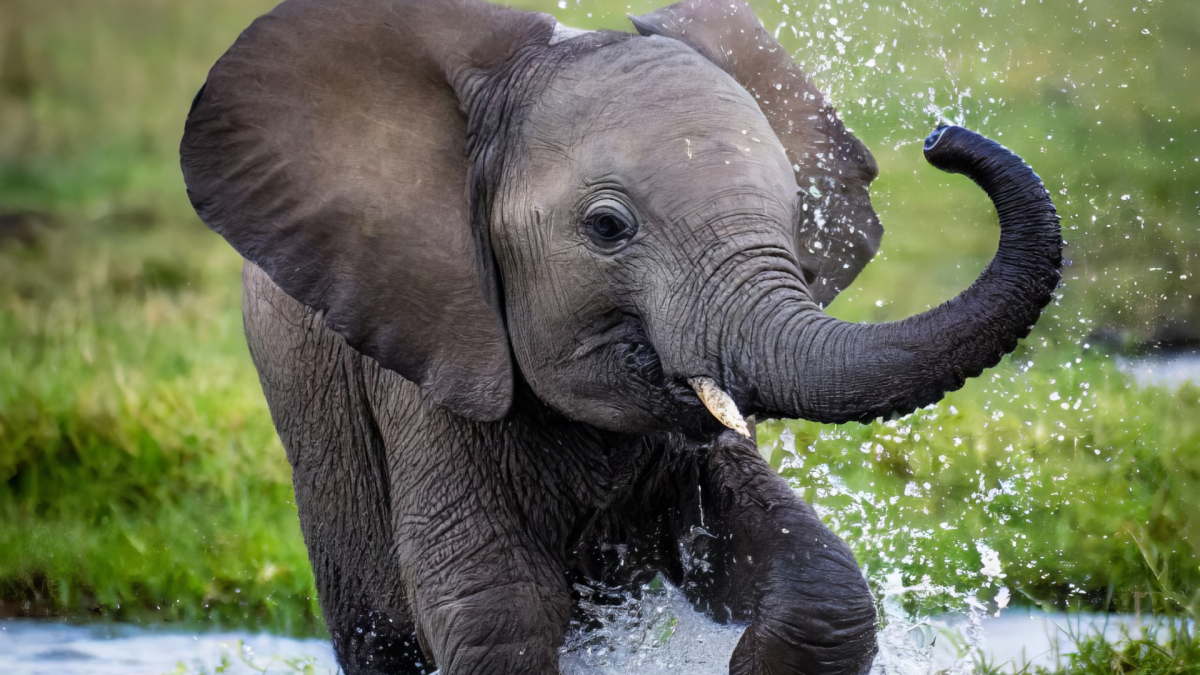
[720, 404]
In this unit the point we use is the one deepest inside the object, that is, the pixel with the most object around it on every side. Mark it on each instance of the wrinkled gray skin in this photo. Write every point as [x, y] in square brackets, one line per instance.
[485, 401]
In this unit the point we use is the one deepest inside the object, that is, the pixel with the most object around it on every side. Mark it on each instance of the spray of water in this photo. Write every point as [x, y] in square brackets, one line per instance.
[658, 632]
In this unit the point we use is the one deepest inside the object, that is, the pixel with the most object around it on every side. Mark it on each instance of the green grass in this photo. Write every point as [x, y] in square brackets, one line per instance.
[140, 477]
[1177, 653]
[139, 469]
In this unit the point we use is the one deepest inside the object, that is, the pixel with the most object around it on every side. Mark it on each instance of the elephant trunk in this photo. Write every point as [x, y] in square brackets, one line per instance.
[856, 372]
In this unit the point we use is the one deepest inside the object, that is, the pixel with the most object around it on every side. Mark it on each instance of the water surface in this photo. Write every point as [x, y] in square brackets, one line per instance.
[1169, 370]
[694, 645]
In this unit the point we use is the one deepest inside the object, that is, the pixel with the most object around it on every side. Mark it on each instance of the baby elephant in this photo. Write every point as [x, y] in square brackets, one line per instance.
[510, 288]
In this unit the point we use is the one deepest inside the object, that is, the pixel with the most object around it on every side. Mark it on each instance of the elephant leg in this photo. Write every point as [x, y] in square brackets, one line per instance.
[478, 530]
[809, 608]
[511, 630]
[491, 609]
[318, 393]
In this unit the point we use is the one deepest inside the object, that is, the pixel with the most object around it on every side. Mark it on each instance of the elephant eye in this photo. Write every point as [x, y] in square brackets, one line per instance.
[609, 225]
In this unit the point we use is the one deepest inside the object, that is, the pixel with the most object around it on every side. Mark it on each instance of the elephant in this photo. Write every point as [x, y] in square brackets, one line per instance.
[513, 289]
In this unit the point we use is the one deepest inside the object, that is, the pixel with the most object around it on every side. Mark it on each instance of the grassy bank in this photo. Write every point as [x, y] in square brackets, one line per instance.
[139, 473]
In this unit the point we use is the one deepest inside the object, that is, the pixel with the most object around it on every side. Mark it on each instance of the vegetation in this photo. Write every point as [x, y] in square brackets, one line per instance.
[140, 476]
[139, 469]
[1177, 654]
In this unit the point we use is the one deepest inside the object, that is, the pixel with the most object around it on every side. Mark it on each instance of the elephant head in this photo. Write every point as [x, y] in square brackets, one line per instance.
[477, 197]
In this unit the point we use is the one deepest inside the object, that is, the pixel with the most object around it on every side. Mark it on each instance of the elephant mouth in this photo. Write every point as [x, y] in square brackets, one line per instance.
[693, 405]
[688, 402]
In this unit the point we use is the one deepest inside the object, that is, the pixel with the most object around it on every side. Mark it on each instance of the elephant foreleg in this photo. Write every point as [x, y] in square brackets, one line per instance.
[499, 611]
[488, 590]
[809, 608]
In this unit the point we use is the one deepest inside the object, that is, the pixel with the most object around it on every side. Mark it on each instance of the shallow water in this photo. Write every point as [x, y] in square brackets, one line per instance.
[29, 647]
[694, 645]
[1163, 370]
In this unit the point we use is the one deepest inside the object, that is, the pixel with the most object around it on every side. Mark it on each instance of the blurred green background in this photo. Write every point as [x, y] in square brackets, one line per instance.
[140, 477]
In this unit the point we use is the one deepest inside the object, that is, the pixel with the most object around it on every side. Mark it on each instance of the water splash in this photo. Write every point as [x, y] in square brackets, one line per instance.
[656, 633]
[660, 633]
[911, 644]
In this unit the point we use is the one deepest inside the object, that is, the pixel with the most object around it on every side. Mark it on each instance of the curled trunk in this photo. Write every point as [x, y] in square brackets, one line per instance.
[856, 372]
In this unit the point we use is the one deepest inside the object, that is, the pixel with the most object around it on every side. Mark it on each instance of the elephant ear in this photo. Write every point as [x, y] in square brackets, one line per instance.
[839, 232]
[329, 147]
